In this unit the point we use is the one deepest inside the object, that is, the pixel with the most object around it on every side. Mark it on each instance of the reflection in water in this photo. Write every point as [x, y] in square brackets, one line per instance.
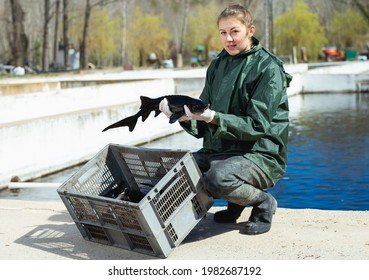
[328, 164]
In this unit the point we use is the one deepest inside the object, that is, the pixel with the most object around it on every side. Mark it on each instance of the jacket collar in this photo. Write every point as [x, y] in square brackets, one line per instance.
[256, 46]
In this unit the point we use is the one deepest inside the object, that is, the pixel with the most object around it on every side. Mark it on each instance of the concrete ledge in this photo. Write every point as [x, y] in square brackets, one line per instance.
[43, 230]
[32, 84]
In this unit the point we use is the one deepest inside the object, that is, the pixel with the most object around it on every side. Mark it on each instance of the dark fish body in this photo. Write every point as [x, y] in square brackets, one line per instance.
[131, 195]
[176, 105]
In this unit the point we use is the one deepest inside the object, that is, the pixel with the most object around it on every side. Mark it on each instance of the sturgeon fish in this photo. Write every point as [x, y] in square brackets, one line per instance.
[176, 105]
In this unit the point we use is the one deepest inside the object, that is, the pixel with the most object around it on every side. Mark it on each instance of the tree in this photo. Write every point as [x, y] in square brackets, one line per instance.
[65, 34]
[147, 34]
[124, 12]
[183, 32]
[84, 48]
[203, 30]
[299, 28]
[84, 42]
[18, 39]
[363, 7]
[45, 36]
[348, 28]
[22, 26]
[104, 37]
[56, 29]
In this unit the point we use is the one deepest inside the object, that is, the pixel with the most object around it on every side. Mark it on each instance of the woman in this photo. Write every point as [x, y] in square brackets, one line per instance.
[245, 130]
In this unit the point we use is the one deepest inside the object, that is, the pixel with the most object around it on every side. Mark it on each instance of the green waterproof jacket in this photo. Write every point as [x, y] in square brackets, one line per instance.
[248, 94]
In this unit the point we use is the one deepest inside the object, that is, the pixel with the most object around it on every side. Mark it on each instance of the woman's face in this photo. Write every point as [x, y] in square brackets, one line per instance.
[235, 36]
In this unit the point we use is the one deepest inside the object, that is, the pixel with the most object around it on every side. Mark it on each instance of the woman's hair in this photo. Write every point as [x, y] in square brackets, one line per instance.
[237, 11]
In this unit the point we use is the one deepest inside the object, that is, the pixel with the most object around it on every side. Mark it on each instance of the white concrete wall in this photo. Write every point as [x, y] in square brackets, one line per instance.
[43, 132]
[41, 104]
[346, 77]
[313, 82]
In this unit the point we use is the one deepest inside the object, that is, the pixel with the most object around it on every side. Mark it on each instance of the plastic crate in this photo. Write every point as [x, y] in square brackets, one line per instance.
[175, 198]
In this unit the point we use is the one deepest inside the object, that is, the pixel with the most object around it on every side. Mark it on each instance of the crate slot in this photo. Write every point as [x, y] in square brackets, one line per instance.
[95, 233]
[140, 242]
[197, 206]
[172, 233]
[127, 217]
[82, 208]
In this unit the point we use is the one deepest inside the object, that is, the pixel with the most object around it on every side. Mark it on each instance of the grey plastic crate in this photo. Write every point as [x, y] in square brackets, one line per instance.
[175, 198]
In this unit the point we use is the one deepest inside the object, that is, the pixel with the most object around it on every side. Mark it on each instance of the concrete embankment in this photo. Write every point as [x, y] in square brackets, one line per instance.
[44, 230]
[52, 123]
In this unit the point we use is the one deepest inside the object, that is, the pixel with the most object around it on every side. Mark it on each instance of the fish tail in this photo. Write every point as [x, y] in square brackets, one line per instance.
[130, 122]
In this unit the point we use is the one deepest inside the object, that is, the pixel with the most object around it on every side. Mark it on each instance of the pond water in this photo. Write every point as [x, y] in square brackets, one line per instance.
[328, 166]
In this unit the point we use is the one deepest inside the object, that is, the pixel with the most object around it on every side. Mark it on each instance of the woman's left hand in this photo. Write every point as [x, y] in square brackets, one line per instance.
[206, 116]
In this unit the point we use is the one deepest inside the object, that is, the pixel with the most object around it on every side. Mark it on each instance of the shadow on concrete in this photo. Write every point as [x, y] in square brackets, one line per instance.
[66, 241]
[207, 228]
[62, 216]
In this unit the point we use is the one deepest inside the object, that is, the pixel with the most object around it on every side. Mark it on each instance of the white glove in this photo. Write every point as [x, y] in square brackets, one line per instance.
[206, 116]
[164, 108]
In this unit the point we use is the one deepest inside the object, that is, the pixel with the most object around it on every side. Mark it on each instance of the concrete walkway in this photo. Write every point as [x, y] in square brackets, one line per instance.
[43, 230]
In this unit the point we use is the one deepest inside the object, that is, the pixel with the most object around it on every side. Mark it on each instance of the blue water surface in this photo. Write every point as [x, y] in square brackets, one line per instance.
[328, 165]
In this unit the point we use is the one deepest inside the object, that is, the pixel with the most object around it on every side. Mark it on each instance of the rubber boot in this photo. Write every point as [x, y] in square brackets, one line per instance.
[260, 220]
[230, 215]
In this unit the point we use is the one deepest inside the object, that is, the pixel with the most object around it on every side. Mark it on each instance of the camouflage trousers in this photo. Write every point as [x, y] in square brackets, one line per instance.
[232, 177]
